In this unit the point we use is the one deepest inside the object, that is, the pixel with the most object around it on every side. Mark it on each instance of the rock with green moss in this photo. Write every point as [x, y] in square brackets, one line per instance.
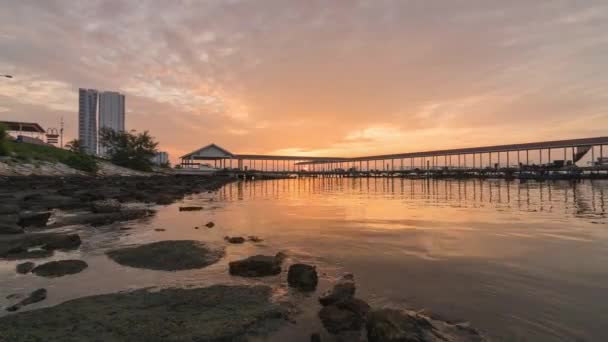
[171, 255]
[216, 313]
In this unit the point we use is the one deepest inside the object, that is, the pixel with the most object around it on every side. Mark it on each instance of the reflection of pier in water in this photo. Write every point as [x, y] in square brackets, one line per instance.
[575, 198]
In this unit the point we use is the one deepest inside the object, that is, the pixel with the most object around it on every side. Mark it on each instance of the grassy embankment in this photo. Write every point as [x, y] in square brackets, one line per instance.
[32, 152]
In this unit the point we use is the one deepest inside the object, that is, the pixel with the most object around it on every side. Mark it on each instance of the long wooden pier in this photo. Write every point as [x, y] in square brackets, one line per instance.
[573, 158]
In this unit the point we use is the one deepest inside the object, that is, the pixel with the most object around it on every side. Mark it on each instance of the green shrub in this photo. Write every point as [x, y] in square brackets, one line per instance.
[4, 148]
[81, 162]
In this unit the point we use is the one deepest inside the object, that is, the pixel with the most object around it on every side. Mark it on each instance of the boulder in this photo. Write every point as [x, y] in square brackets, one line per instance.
[8, 209]
[168, 255]
[33, 219]
[256, 266]
[37, 245]
[163, 199]
[191, 208]
[234, 239]
[10, 228]
[62, 242]
[34, 297]
[343, 316]
[59, 268]
[391, 325]
[216, 313]
[343, 290]
[106, 206]
[24, 267]
[303, 277]
[100, 219]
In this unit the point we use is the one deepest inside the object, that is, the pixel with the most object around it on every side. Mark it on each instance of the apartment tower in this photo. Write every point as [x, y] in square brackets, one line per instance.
[87, 120]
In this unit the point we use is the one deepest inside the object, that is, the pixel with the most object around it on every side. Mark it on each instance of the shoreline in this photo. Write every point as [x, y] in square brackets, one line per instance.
[99, 201]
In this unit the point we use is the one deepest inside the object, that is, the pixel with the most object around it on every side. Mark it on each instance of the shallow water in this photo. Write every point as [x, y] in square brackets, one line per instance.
[520, 261]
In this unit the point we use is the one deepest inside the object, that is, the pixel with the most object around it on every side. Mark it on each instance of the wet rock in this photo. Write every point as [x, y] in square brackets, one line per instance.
[256, 266]
[337, 318]
[315, 337]
[8, 227]
[163, 200]
[281, 256]
[235, 239]
[210, 225]
[62, 242]
[106, 206]
[254, 238]
[343, 290]
[191, 208]
[34, 297]
[24, 267]
[390, 325]
[217, 313]
[101, 219]
[30, 219]
[37, 245]
[46, 201]
[8, 209]
[59, 268]
[303, 277]
[168, 255]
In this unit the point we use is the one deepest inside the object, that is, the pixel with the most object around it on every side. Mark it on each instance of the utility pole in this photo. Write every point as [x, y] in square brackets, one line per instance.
[61, 134]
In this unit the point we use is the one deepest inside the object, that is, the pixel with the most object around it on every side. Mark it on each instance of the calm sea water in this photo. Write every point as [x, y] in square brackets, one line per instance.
[520, 261]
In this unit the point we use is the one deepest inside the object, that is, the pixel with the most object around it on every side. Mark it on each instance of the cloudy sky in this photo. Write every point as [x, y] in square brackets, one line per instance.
[341, 77]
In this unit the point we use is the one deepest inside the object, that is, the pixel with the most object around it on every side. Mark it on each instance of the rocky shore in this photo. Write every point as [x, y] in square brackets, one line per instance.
[31, 230]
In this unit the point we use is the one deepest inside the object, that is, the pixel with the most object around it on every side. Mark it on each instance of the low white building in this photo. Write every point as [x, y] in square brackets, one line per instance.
[161, 158]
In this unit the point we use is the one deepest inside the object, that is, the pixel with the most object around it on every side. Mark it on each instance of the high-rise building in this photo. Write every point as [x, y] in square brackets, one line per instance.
[87, 120]
[111, 112]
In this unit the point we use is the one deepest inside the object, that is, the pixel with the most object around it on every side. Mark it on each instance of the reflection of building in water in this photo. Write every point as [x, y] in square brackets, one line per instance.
[581, 198]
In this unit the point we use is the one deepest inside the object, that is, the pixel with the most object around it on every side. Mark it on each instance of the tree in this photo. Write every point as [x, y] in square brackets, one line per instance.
[129, 149]
[4, 150]
[74, 146]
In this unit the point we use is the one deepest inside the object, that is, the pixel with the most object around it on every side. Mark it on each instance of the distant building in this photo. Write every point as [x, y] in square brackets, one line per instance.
[87, 119]
[111, 112]
[161, 158]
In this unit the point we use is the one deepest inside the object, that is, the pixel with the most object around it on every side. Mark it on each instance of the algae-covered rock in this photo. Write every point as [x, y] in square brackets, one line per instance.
[216, 313]
[171, 255]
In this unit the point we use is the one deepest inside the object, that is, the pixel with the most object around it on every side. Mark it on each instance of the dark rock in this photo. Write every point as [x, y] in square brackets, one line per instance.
[168, 255]
[336, 319]
[159, 229]
[256, 266]
[63, 242]
[195, 227]
[281, 256]
[34, 297]
[390, 325]
[254, 238]
[315, 337]
[27, 219]
[103, 218]
[8, 209]
[210, 225]
[234, 239]
[303, 277]
[37, 245]
[59, 268]
[10, 228]
[217, 313]
[106, 206]
[343, 290]
[164, 199]
[192, 208]
[24, 267]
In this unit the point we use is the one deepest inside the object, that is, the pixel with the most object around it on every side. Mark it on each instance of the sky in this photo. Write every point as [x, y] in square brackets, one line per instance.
[329, 78]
